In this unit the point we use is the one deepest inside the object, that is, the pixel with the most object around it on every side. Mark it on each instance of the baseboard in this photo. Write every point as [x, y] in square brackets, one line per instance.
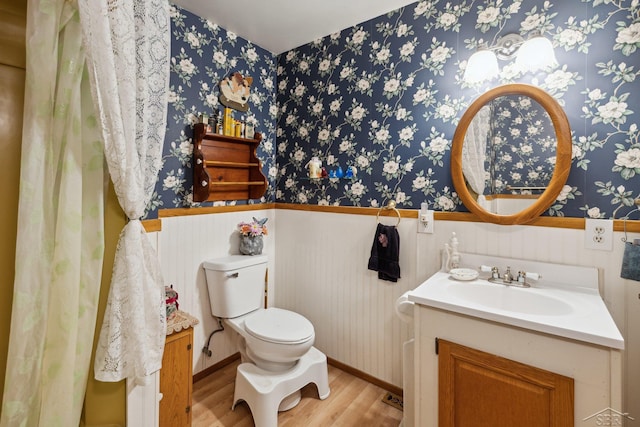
[350, 370]
[219, 365]
[363, 375]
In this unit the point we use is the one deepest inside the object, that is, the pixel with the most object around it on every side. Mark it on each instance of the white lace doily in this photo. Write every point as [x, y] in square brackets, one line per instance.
[180, 321]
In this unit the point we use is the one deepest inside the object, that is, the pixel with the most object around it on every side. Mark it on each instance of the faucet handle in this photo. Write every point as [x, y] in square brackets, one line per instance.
[533, 276]
[495, 273]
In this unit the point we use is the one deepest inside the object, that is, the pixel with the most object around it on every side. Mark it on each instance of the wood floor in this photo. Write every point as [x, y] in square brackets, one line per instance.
[352, 402]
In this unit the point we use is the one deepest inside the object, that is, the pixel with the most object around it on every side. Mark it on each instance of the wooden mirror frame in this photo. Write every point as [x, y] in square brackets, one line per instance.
[563, 154]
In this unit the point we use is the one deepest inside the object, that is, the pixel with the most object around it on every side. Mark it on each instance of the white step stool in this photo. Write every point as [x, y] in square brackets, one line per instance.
[264, 391]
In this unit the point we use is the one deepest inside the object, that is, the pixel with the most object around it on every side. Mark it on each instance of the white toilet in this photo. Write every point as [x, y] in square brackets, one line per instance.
[276, 345]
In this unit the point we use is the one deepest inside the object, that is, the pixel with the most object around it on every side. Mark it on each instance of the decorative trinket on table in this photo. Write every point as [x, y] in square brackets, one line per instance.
[251, 236]
[315, 168]
[171, 301]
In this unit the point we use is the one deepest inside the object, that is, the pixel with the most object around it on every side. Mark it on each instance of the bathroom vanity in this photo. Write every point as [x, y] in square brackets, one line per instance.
[491, 354]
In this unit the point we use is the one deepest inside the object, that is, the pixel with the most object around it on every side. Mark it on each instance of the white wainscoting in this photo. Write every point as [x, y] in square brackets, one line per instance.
[319, 269]
[322, 273]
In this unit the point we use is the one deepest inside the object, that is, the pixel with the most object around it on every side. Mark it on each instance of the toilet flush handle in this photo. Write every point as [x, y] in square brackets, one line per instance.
[232, 275]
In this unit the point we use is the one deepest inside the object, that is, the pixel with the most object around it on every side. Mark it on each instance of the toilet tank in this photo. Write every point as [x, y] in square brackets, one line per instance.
[236, 284]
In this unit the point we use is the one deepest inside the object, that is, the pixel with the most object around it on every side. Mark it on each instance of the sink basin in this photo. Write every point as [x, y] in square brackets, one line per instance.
[570, 306]
[506, 298]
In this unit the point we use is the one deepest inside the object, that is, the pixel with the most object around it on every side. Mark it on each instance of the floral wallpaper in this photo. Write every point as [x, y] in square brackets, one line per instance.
[521, 149]
[385, 96]
[202, 54]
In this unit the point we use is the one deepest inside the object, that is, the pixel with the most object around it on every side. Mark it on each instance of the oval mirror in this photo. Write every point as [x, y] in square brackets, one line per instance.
[511, 154]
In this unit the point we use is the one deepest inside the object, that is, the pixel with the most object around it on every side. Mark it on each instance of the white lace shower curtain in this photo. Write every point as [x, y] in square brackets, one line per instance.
[128, 51]
[60, 242]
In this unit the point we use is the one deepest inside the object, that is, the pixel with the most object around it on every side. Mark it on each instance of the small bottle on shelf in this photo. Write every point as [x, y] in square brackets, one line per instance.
[228, 122]
[219, 124]
[211, 123]
[249, 131]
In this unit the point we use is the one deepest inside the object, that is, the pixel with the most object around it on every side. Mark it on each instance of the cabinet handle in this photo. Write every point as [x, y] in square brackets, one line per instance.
[187, 409]
[188, 346]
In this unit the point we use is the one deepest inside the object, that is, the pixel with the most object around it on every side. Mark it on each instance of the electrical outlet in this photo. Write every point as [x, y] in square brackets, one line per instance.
[598, 234]
[425, 221]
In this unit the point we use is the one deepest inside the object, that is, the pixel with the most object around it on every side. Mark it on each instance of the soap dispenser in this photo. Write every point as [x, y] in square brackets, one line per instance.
[452, 255]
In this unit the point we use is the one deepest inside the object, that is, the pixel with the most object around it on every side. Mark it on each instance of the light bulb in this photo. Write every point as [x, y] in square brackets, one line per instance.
[483, 65]
[536, 54]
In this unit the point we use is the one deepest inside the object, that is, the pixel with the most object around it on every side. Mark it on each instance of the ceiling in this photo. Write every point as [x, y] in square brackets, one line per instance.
[281, 25]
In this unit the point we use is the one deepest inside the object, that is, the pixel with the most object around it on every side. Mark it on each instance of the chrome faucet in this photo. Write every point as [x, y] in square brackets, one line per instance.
[507, 278]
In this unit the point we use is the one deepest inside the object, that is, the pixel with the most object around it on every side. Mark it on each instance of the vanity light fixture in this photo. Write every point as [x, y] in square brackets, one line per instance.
[483, 65]
[536, 54]
[532, 55]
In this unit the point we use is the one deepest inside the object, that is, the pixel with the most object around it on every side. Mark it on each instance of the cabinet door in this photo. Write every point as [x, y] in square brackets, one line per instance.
[176, 380]
[478, 389]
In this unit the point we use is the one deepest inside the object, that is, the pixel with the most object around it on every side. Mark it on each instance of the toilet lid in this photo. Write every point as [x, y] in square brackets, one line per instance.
[279, 326]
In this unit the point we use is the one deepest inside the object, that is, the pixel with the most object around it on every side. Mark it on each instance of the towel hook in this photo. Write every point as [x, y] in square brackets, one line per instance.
[624, 223]
[391, 205]
[624, 219]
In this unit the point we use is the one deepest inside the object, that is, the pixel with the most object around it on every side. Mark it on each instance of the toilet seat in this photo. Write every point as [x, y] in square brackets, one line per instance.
[279, 326]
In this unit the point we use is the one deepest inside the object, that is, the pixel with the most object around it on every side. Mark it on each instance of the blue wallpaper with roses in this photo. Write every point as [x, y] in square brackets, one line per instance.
[202, 54]
[385, 96]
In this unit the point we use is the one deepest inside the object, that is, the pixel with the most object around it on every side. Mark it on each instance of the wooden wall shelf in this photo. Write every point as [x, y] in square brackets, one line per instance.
[226, 167]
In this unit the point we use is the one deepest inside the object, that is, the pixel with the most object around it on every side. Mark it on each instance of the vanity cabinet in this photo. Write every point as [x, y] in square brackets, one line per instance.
[226, 167]
[478, 389]
[176, 379]
[485, 377]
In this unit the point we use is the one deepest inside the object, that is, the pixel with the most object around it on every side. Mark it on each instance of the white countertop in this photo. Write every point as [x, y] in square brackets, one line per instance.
[576, 313]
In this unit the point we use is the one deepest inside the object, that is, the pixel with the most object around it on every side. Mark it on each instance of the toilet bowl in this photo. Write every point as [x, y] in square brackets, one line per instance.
[274, 339]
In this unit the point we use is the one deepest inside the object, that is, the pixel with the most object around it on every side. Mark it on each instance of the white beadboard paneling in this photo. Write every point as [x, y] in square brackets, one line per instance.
[322, 274]
[143, 406]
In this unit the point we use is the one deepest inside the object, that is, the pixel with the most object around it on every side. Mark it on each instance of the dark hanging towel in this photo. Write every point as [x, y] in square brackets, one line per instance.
[631, 262]
[385, 253]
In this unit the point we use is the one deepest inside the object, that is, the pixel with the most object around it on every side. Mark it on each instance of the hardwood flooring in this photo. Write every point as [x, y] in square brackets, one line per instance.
[352, 402]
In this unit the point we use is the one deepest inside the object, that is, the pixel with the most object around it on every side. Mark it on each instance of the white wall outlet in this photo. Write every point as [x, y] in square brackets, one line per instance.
[598, 234]
[425, 221]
